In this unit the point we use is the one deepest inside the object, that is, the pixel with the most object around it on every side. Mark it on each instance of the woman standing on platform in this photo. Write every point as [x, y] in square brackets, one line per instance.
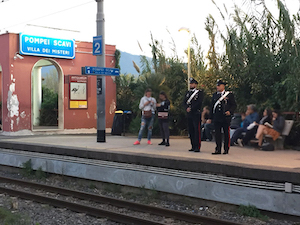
[163, 109]
[148, 106]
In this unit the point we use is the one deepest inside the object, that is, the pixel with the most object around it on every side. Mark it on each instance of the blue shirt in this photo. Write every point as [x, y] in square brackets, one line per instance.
[253, 117]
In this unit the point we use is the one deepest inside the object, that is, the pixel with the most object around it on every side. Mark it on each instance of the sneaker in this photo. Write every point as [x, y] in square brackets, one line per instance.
[136, 143]
[167, 144]
[149, 142]
[240, 142]
[162, 143]
[234, 144]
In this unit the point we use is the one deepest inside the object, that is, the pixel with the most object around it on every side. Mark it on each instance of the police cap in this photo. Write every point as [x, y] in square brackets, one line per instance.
[219, 82]
[193, 81]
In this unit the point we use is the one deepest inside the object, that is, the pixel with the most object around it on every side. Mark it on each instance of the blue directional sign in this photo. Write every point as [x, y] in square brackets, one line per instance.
[90, 70]
[47, 47]
[97, 45]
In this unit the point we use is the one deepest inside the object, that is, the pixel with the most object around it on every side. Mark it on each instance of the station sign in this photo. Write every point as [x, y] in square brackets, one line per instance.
[47, 47]
[91, 70]
[97, 45]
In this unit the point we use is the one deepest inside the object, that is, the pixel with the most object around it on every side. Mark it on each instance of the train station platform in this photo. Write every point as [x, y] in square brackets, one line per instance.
[277, 166]
[268, 180]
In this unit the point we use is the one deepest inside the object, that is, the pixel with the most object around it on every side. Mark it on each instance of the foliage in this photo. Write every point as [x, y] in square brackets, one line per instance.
[40, 174]
[49, 107]
[117, 58]
[9, 218]
[50, 80]
[125, 96]
[251, 211]
[27, 170]
[260, 64]
[261, 59]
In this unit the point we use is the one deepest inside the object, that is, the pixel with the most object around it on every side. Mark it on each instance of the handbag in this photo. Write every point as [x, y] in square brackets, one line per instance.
[162, 115]
[147, 114]
[267, 147]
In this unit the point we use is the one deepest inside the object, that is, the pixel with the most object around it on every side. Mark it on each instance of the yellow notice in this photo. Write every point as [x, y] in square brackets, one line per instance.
[82, 104]
[74, 104]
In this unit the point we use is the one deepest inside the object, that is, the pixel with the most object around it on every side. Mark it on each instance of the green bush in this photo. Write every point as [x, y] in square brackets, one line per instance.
[27, 170]
[9, 218]
[40, 174]
[251, 211]
[49, 108]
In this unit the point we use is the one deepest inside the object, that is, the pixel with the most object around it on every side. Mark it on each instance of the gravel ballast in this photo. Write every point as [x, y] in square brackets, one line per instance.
[41, 214]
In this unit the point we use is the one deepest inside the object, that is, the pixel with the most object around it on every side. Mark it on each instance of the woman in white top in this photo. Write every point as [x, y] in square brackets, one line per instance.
[147, 105]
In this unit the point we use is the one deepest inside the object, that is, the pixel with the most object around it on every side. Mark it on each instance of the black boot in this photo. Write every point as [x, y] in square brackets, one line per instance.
[167, 143]
[162, 143]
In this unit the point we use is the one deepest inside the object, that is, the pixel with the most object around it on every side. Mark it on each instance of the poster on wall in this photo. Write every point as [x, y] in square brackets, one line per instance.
[78, 92]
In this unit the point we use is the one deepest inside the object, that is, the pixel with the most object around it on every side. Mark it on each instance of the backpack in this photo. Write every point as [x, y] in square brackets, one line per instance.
[267, 147]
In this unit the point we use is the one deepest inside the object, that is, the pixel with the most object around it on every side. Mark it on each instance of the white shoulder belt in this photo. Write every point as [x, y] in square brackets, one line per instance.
[192, 96]
[221, 99]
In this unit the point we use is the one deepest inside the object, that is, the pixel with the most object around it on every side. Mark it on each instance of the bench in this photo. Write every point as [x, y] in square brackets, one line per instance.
[279, 143]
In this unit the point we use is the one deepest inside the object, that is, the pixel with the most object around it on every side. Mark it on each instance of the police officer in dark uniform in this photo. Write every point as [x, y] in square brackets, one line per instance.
[223, 106]
[193, 103]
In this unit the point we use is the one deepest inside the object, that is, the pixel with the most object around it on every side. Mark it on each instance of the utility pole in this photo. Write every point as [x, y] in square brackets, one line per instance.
[189, 63]
[189, 55]
[101, 122]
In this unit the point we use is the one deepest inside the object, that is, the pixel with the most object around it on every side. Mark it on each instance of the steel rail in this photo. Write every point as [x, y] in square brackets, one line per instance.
[188, 217]
[92, 211]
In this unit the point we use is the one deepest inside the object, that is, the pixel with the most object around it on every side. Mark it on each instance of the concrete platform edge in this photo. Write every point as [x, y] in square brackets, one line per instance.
[205, 166]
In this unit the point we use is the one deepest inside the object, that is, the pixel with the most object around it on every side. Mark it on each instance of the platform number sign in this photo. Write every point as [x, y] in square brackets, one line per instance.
[97, 45]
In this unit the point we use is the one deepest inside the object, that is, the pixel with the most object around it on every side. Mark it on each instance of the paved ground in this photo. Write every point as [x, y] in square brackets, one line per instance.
[287, 160]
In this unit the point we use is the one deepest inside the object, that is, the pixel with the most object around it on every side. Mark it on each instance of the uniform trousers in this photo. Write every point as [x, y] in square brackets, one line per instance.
[219, 125]
[194, 124]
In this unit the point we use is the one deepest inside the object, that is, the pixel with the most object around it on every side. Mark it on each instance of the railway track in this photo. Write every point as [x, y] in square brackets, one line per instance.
[100, 212]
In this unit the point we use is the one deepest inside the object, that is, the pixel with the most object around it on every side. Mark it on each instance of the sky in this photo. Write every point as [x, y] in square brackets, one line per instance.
[127, 23]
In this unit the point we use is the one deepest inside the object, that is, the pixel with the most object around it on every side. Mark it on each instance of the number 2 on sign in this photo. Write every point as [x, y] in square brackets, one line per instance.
[97, 48]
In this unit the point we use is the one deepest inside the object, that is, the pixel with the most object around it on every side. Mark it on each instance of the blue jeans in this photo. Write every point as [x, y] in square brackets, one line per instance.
[144, 123]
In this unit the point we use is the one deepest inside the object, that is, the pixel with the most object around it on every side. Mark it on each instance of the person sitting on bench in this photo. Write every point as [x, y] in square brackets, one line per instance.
[273, 130]
[251, 116]
[252, 128]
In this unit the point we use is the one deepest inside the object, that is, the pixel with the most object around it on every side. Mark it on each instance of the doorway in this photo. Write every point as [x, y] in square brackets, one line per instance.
[47, 95]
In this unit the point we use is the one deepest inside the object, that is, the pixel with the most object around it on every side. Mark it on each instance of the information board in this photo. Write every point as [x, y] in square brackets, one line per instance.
[78, 92]
[92, 70]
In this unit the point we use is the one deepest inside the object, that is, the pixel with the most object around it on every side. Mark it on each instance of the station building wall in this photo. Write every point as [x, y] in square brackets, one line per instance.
[17, 87]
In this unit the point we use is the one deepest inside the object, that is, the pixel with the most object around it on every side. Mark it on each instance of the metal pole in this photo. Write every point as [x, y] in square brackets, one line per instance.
[101, 122]
[189, 64]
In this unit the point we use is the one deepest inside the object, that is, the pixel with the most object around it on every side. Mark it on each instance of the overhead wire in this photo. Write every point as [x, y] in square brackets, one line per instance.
[41, 17]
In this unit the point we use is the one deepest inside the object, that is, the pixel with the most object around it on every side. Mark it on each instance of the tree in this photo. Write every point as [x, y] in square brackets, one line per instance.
[50, 80]
[117, 58]
[125, 84]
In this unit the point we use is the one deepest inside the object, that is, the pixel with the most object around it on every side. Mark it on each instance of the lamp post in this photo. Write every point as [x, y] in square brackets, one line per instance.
[189, 54]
